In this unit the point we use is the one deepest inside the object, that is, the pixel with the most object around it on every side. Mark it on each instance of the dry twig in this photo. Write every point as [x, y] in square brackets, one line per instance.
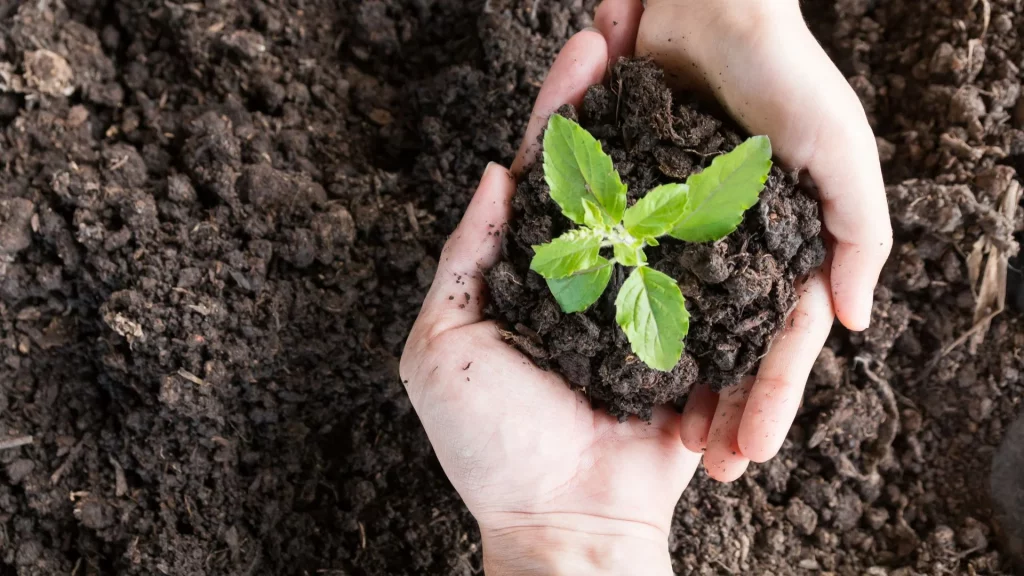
[887, 430]
[72, 456]
[16, 442]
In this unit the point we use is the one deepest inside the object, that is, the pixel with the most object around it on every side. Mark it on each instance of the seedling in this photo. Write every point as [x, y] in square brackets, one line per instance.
[709, 206]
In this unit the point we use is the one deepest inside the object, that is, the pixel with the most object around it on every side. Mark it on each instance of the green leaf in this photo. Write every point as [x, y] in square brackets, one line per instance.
[593, 216]
[576, 168]
[652, 312]
[571, 252]
[628, 255]
[724, 191]
[657, 213]
[576, 293]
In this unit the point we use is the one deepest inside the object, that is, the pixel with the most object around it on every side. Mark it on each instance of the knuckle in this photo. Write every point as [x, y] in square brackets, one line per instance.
[410, 355]
[406, 363]
[429, 343]
[442, 345]
[439, 326]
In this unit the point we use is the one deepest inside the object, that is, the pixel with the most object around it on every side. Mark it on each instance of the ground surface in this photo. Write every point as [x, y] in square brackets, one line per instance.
[738, 291]
[217, 221]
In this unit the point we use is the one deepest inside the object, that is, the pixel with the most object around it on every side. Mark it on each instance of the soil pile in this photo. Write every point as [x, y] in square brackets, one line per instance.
[738, 291]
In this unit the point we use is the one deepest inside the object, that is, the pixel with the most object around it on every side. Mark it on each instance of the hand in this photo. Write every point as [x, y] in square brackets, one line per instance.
[556, 487]
[759, 60]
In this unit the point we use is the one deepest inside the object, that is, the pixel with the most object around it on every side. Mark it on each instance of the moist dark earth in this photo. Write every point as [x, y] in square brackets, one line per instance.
[738, 291]
[218, 220]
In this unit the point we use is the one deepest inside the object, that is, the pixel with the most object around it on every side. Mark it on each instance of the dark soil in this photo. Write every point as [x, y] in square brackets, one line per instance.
[738, 291]
[218, 220]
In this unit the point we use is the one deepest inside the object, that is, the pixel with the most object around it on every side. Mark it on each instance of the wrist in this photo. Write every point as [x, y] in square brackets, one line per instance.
[571, 544]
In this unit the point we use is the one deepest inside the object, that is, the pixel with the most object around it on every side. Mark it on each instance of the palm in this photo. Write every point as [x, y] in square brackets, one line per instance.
[518, 440]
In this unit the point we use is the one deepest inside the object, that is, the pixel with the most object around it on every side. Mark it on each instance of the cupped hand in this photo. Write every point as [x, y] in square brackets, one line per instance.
[555, 486]
[760, 61]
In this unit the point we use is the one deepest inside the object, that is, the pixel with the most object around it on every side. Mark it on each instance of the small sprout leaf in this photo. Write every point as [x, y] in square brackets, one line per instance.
[576, 168]
[657, 213]
[593, 216]
[569, 253]
[628, 255]
[578, 292]
[649, 307]
[652, 312]
[720, 194]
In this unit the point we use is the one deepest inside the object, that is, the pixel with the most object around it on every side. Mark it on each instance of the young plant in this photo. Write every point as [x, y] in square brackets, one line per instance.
[649, 308]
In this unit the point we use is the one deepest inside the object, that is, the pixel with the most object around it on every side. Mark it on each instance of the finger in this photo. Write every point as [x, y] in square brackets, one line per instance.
[723, 459]
[456, 298]
[579, 65]
[682, 469]
[619, 21]
[841, 155]
[775, 397]
[847, 172]
[689, 461]
[697, 415]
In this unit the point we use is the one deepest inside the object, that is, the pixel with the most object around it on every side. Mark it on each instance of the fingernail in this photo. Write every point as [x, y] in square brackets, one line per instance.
[591, 29]
[491, 166]
[500, 168]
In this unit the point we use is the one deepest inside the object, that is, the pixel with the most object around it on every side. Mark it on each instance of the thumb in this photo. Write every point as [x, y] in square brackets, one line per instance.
[456, 298]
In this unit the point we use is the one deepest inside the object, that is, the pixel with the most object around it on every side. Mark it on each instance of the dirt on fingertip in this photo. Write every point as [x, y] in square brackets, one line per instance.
[738, 290]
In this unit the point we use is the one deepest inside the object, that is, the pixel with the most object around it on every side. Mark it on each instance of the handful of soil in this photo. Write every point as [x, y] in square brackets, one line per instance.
[738, 291]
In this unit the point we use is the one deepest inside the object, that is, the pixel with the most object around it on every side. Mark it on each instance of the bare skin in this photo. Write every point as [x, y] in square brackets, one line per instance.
[557, 487]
